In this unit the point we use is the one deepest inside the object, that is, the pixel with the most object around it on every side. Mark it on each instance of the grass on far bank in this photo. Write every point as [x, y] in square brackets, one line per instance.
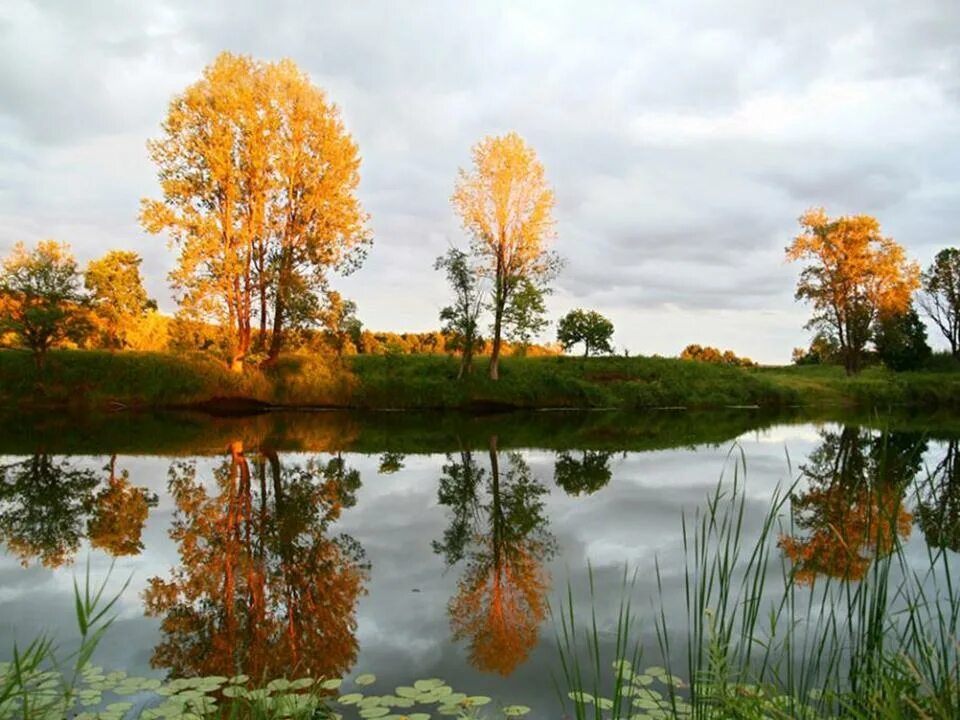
[100, 379]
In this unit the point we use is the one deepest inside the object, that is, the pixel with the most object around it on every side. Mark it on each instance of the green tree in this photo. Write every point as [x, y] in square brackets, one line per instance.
[941, 295]
[461, 320]
[524, 317]
[117, 294]
[506, 206]
[40, 297]
[588, 327]
[901, 340]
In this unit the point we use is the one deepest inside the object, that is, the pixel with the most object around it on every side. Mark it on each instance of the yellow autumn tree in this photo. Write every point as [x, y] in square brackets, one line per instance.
[506, 206]
[853, 276]
[259, 179]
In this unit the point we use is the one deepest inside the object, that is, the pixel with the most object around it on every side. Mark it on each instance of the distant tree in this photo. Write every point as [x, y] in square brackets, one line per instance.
[822, 351]
[524, 317]
[341, 326]
[940, 299]
[855, 275]
[588, 327]
[42, 303]
[901, 340]
[117, 294]
[506, 206]
[714, 355]
[461, 320]
[259, 179]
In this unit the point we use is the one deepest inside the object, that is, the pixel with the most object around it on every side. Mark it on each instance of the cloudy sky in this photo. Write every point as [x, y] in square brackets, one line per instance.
[683, 139]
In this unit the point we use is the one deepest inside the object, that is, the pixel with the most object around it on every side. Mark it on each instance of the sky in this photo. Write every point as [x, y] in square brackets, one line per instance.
[683, 139]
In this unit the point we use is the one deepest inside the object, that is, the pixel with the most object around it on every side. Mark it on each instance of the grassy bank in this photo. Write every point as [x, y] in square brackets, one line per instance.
[102, 379]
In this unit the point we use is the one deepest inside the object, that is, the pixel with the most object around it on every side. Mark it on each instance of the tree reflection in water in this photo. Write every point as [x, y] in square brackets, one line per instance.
[261, 589]
[853, 509]
[938, 509]
[584, 475]
[499, 529]
[48, 505]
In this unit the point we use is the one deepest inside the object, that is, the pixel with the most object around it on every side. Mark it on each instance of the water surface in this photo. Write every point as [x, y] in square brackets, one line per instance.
[418, 545]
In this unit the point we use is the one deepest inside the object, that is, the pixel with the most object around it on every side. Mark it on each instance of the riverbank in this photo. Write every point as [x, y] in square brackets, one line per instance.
[103, 380]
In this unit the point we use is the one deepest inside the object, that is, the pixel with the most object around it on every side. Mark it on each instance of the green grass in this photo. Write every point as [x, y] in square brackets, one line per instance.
[103, 379]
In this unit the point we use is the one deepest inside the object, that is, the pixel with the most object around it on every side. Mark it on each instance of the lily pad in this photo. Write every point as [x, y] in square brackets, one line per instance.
[429, 684]
[366, 679]
[515, 710]
[374, 712]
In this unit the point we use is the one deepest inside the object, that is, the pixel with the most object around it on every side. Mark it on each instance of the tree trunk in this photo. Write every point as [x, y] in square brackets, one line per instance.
[276, 341]
[499, 304]
[262, 337]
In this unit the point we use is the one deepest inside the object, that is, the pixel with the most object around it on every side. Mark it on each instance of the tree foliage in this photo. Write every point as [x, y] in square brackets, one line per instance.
[525, 315]
[706, 353]
[40, 298]
[117, 295]
[461, 319]
[588, 327]
[940, 299]
[901, 340]
[506, 206]
[854, 275]
[259, 179]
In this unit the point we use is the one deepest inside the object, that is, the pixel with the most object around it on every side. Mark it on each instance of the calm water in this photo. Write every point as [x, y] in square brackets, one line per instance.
[414, 546]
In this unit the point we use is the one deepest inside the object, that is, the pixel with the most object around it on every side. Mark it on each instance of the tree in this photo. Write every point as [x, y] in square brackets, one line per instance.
[506, 207]
[117, 294]
[258, 177]
[342, 328]
[42, 302]
[461, 320]
[855, 275]
[588, 327]
[709, 354]
[901, 340]
[524, 317]
[940, 300]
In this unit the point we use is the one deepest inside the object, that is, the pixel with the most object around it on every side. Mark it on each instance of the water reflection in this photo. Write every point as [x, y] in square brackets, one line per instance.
[499, 530]
[48, 505]
[261, 588]
[853, 508]
[938, 508]
[582, 475]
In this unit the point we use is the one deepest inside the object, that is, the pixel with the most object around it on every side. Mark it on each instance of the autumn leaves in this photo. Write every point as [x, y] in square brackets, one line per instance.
[856, 279]
[259, 178]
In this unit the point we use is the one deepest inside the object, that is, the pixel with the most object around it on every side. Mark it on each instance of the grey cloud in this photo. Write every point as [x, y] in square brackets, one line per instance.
[645, 116]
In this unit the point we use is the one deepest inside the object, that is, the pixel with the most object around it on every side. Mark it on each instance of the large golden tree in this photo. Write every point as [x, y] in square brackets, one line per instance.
[854, 276]
[506, 206]
[259, 180]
